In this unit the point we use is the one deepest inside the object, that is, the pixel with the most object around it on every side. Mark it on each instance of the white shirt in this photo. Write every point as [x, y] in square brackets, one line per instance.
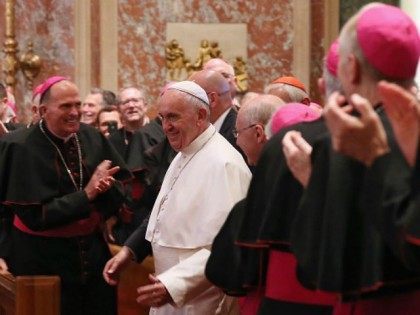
[219, 121]
[201, 186]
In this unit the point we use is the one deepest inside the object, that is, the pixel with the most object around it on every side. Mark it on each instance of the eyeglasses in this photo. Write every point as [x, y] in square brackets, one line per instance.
[134, 100]
[237, 131]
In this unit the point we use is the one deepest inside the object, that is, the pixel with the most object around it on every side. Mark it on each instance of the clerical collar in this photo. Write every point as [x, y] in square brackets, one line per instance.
[198, 142]
[55, 137]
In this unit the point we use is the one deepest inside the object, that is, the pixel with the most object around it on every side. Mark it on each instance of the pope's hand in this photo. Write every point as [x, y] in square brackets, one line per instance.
[116, 265]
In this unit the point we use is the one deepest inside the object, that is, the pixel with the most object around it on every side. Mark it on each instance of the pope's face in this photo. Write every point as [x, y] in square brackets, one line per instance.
[180, 120]
[62, 111]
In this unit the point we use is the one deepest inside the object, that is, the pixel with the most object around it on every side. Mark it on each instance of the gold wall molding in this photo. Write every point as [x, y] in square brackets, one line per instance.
[302, 41]
[331, 21]
[83, 66]
[29, 62]
[109, 45]
[106, 53]
[191, 37]
[412, 8]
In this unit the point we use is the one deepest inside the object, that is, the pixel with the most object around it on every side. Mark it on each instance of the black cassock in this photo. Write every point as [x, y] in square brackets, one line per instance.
[341, 234]
[261, 223]
[36, 189]
[140, 195]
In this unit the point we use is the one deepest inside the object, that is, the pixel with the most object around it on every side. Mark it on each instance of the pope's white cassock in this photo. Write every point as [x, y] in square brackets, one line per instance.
[201, 186]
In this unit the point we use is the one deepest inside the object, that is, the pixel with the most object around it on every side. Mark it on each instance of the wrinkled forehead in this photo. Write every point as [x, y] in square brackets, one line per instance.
[94, 98]
[173, 100]
[219, 66]
[131, 93]
[64, 89]
[224, 69]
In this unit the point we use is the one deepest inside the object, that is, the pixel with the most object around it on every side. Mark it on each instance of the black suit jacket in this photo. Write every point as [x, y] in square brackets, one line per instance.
[226, 130]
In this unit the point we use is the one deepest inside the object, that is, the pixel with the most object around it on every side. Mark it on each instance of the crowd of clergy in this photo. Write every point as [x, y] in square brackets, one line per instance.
[263, 203]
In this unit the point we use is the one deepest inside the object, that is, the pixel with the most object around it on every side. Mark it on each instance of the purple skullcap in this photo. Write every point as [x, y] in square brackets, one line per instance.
[290, 114]
[389, 40]
[332, 58]
[37, 90]
[48, 83]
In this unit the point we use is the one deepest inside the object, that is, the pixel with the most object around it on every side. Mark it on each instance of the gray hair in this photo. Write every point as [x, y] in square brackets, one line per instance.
[195, 102]
[261, 108]
[96, 90]
[332, 84]
[295, 94]
[142, 92]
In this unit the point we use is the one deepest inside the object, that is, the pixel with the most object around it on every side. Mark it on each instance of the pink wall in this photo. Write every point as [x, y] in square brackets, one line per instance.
[50, 25]
[141, 31]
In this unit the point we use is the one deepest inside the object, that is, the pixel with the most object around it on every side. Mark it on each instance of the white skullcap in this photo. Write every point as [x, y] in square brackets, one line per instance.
[191, 88]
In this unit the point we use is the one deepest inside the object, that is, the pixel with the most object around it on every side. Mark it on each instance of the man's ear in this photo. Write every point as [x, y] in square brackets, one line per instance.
[202, 114]
[321, 85]
[354, 71]
[212, 99]
[306, 101]
[34, 109]
[260, 133]
[42, 110]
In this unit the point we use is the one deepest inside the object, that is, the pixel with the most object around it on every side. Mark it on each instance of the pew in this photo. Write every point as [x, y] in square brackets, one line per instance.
[40, 295]
[29, 295]
[131, 278]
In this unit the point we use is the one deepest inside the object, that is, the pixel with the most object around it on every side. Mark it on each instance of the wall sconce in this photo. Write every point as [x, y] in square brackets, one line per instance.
[29, 63]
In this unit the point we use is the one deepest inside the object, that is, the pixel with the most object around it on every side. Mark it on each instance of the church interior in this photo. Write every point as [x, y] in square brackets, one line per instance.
[116, 44]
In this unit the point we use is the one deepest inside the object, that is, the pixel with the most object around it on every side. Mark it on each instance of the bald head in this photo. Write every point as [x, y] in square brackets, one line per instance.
[217, 89]
[211, 81]
[60, 108]
[225, 69]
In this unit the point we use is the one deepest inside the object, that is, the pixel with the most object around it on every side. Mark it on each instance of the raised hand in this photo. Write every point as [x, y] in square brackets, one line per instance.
[101, 179]
[402, 109]
[362, 138]
[3, 129]
[298, 156]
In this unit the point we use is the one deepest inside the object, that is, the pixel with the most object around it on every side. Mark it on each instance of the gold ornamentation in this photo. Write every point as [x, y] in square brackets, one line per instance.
[215, 51]
[11, 63]
[29, 62]
[204, 55]
[241, 74]
[180, 66]
[174, 59]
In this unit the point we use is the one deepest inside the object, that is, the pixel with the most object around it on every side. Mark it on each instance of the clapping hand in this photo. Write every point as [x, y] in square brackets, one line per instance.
[101, 180]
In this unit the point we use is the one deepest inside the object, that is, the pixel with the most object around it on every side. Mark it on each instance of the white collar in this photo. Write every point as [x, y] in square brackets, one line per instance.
[198, 142]
[219, 121]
